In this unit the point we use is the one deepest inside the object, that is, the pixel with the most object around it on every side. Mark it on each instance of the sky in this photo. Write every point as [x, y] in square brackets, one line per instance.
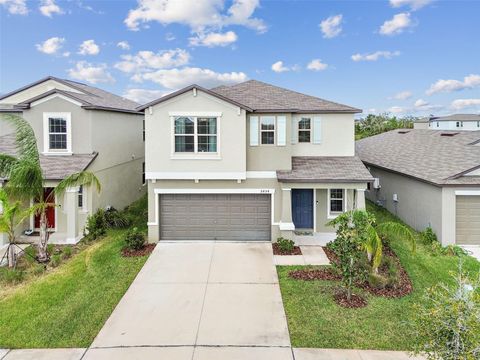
[405, 57]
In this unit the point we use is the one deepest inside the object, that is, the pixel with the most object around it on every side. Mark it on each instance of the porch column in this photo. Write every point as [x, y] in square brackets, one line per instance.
[360, 199]
[286, 223]
[71, 210]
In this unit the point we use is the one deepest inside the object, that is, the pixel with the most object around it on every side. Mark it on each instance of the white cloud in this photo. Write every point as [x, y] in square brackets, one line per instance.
[331, 26]
[179, 78]
[420, 106]
[396, 110]
[278, 67]
[420, 103]
[198, 15]
[403, 95]
[143, 96]
[316, 65]
[91, 73]
[66, 54]
[375, 56]
[469, 82]
[148, 60]
[213, 39]
[169, 37]
[51, 46]
[396, 25]
[124, 45]
[49, 7]
[465, 103]
[413, 4]
[16, 7]
[88, 47]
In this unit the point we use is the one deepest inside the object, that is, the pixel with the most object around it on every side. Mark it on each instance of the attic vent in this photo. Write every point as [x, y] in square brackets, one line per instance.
[404, 131]
[448, 134]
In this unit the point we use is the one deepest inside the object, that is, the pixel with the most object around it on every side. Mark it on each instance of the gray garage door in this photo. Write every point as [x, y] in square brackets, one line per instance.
[215, 217]
[468, 220]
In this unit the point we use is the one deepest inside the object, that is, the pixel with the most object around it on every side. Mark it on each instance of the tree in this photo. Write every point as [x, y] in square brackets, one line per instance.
[26, 181]
[11, 217]
[447, 321]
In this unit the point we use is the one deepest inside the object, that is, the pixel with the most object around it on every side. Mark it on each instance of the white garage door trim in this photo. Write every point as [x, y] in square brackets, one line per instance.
[467, 192]
[158, 192]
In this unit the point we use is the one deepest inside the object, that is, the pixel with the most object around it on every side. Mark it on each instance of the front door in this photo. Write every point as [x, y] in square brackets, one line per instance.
[50, 197]
[302, 208]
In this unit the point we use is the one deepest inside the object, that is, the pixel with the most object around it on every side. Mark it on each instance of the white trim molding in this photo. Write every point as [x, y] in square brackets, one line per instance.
[196, 113]
[46, 132]
[344, 199]
[184, 175]
[467, 192]
[53, 96]
[286, 226]
[261, 174]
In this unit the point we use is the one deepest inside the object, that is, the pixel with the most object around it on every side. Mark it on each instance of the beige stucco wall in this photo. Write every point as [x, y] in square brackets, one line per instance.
[159, 136]
[419, 205]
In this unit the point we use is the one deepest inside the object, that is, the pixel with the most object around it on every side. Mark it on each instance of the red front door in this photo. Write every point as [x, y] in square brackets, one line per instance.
[49, 197]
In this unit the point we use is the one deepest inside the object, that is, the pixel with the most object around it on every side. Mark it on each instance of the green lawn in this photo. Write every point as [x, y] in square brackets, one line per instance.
[315, 320]
[68, 306]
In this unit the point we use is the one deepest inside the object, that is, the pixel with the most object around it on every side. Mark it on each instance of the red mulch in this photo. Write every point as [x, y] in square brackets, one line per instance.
[317, 274]
[355, 302]
[277, 251]
[404, 286]
[147, 249]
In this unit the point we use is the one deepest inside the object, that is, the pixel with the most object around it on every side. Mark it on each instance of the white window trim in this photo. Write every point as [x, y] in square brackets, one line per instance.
[305, 130]
[46, 132]
[195, 155]
[274, 130]
[84, 208]
[331, 215]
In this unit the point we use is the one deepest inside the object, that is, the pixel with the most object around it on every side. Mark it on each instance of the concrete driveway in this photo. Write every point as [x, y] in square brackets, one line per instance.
[202, 300]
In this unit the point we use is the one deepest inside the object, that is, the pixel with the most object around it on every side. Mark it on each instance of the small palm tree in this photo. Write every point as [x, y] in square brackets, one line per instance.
[26, 181]
[12, 216]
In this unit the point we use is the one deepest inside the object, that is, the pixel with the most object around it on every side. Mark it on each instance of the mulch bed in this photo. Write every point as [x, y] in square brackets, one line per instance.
[355, 302]
[147, 249]
[317, 274]
[404, 286]
[277, 251]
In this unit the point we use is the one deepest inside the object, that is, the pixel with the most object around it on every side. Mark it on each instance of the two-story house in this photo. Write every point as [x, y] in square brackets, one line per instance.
[79, 127]
[467, 122]
[250, 161]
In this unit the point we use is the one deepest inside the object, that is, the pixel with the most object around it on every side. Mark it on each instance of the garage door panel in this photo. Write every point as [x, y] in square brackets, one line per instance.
[215, 217]
[468, 220]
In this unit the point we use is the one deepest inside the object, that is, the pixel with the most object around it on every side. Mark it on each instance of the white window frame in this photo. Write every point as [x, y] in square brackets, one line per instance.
[274, 131]
[195, 154]
[333, 214]
[46, 133]
[84, 207]
[310, 118]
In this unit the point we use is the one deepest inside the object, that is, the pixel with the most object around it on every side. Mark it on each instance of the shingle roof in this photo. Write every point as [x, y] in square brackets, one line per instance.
[90, 97]
[456, 117]
[425, 154]
[54, 167]
[323, 169]
[262, 97]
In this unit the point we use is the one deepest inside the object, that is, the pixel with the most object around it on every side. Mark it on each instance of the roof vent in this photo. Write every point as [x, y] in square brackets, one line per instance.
[449, 134]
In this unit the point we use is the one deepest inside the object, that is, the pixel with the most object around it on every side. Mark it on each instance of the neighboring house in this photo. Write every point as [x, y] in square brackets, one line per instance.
[428, 178]
[79, 127]
[469, 122]
[250, 161]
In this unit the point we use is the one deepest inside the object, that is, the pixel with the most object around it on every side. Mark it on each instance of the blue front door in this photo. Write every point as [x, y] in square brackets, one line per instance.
[302, 208]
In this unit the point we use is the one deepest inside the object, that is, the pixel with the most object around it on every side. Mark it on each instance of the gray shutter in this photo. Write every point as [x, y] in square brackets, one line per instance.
[317, 130]
[253, 130]
[294, 130]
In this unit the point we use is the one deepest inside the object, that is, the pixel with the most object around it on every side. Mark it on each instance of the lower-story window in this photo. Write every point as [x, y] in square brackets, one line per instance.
[80, 197]
[336, 201]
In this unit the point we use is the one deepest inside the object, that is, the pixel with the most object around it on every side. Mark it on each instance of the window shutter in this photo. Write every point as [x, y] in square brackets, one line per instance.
[253, 130]
[294, 130]
[317, 130]
[282, 131]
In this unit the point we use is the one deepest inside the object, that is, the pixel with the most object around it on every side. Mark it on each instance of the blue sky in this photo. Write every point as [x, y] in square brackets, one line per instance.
[408, 57]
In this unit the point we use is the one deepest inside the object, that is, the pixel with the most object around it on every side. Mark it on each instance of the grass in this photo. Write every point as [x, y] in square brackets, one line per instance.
[315, 320]
[67, 307]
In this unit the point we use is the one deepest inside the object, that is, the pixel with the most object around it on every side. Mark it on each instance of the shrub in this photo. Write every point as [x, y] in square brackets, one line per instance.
[377, 281]
[50, 249]
[11, 276]
[135, 239]
[285, 245]
[55, 260]
[453, 250]
[67, 252]
[96, 225]
[116, 219]
[393, 277]
[428, 236]
[37, 269]
[29, 254]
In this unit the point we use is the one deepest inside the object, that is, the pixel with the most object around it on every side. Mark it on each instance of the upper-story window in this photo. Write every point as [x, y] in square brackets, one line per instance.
[459, 124]
[195, 134]
[304, 130]
[57, 133]
[267, 130]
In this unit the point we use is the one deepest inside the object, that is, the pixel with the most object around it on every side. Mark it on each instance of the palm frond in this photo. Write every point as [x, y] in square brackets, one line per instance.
[396, 229]
[374, 247]
[26, 180]
[83, 178]
[25, 138]
[7, 162]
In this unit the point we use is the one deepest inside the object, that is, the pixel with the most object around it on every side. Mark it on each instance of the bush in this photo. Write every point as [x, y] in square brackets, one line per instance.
[67, 252]
[453, 250]
[29, 254]
[428, 236]
[37, 269]
[393, 277]
[96, 225]
[50, 249]
[135, 239]
[377, 281]
[285, 245]
[55, 260]
[11, 276]
[116, 219]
